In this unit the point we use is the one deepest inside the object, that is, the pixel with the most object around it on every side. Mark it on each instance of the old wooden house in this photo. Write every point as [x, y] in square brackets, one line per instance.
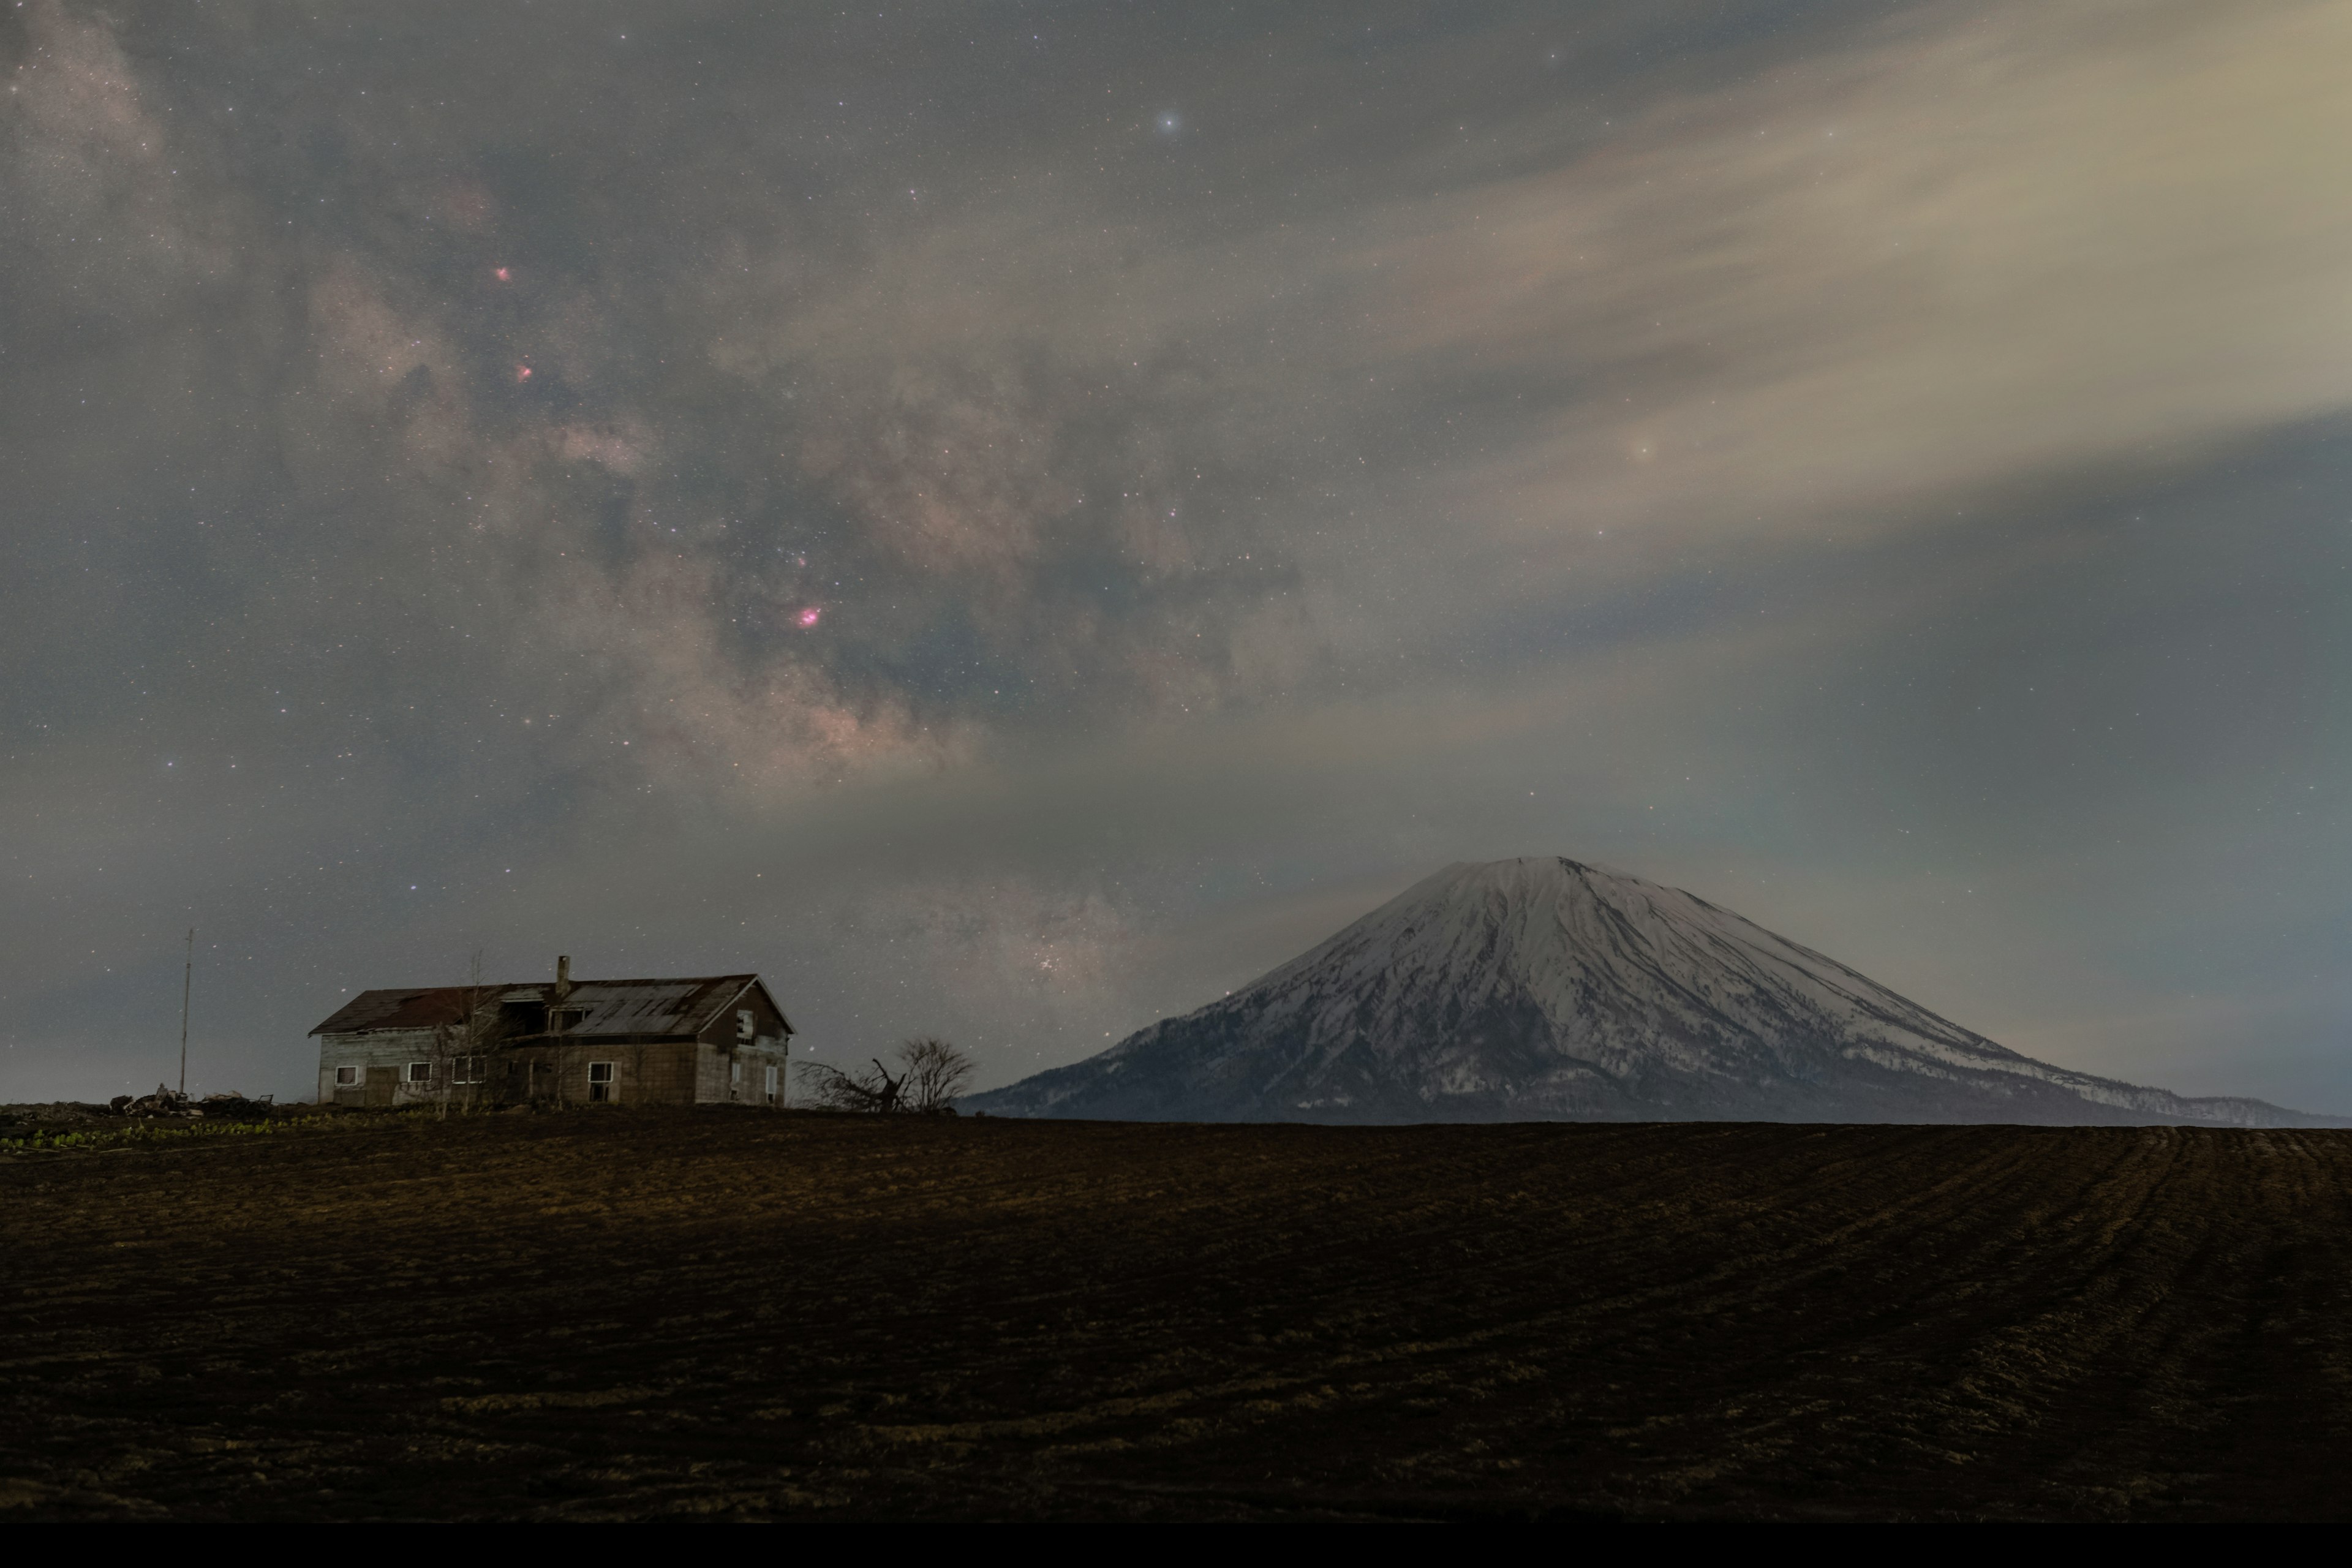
[702, 1041]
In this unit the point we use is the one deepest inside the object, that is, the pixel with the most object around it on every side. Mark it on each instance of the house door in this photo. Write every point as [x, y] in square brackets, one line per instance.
[379, 1085]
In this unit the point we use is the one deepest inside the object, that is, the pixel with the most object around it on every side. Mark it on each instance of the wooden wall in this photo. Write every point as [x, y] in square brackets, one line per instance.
[733, 1061]
[727, 1064]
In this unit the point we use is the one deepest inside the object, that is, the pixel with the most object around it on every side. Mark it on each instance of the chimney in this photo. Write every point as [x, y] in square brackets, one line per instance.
[563, 978]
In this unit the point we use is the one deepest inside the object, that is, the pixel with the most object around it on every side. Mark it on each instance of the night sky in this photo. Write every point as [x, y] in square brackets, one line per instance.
[1010, 520]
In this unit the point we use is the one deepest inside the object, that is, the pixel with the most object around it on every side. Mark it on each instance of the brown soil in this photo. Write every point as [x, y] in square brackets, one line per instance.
[637, 1314]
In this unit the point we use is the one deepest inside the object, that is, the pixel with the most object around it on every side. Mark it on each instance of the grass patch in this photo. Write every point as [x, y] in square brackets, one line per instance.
[144, 1134]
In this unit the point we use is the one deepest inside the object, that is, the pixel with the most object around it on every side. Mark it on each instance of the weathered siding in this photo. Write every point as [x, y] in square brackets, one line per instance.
[660, 1072]
[656, 1073]
[388, 1050]
[728, 1062]
[735, 1056]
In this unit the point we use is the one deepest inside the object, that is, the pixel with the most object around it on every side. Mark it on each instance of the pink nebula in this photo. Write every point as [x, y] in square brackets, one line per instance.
[808, 617]
[522, 372]
[503, 275]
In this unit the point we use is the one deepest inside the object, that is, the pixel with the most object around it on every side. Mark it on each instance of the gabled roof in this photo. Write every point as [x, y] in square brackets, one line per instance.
[639, 1009]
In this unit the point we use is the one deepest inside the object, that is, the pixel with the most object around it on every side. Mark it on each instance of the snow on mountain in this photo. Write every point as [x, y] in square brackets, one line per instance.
[1543, 989]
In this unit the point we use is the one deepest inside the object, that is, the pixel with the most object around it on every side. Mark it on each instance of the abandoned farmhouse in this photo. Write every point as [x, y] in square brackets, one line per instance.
[667, 1042]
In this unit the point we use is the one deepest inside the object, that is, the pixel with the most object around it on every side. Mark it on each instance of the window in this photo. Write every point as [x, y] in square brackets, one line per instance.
[469, 1069]
[600, 1081]
[346, 1076]
[420, 1072]
[771, 1083]
[743, 1025]
[735, 1072]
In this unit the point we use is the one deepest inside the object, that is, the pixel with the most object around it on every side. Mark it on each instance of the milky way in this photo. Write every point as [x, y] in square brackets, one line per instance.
[1010, 520]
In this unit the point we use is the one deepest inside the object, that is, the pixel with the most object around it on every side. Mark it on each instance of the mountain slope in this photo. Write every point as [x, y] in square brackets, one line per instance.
[1543, 989]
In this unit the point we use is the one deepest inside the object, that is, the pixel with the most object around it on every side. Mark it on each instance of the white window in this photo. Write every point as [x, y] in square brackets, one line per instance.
[467, 1069]
[743, 1025]
[600, 1081]
[735, 1072]
[420, 1072]
[771, 1083]
[346, 1076]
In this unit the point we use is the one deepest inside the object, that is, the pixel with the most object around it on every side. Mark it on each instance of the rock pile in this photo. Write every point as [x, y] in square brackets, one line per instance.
[167, 1101]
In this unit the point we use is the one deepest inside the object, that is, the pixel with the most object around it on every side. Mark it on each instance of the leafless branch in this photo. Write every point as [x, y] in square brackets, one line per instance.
[931, 1073]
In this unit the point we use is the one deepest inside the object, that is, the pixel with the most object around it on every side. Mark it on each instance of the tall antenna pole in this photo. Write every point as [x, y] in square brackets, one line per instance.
[187, 979]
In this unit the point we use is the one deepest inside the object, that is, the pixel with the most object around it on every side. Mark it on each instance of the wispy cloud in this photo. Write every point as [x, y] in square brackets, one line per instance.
[1969, 244]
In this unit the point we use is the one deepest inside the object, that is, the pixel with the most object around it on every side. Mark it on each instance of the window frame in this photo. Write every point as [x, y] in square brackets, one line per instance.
[347, 1076]
[417, 1074]
[610, 1083]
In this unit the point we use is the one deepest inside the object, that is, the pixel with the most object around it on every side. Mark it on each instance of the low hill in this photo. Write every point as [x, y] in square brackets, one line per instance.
[1544, 989]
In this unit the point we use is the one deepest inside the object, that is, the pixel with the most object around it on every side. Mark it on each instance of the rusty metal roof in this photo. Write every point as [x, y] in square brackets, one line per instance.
[608, 1007]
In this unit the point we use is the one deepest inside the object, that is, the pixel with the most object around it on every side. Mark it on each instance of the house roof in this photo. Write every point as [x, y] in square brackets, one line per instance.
[639, 1009]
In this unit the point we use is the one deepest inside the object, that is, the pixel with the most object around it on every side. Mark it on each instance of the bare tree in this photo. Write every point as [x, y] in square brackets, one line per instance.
[830, 1088]
[462, 1046]
[931, 1073]
[935, 1073]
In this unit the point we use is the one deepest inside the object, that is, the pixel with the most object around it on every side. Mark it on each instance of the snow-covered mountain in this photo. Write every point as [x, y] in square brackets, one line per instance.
[1542, 989]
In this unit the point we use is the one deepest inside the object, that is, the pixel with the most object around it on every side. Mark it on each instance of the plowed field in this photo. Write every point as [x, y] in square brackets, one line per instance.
[617, 1313]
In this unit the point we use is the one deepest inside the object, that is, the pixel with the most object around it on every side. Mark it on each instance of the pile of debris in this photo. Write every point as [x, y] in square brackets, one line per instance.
[170, 1102]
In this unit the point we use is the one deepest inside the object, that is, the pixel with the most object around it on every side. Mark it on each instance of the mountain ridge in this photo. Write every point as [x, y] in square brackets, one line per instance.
[1545, 988]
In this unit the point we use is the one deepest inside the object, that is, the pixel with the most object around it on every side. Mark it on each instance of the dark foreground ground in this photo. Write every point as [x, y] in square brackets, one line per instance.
[627, 1314]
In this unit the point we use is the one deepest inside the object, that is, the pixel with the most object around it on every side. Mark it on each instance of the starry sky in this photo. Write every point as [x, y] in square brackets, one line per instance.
[1012, 520]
